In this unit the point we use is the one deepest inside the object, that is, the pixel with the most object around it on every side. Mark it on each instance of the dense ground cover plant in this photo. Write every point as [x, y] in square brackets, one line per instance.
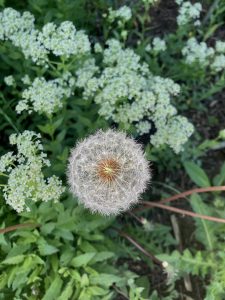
[69, 68]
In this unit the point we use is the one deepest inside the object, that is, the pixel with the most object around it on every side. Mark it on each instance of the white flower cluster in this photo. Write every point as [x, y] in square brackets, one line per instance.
[219, 60]
[108, 172]
[26, 181]
[220, 47]
[158, 45]
[188, 12]
[64, 40]
[195, 51]
[129, 94]
[123, 13]
[35, 44]
[46, 97]
[9, 80]
[204, 55]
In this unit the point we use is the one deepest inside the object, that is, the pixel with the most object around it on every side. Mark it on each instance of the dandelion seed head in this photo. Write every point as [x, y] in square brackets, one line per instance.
[107, 172]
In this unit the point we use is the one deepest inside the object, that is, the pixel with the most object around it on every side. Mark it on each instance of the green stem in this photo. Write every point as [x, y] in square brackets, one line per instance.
[2, 174]
[9, 120]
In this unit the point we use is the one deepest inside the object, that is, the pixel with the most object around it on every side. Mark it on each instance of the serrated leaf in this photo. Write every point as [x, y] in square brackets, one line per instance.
[197, 174]
[205, 230]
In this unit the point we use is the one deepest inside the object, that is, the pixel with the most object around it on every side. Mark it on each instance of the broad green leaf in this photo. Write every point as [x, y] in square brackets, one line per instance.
[197, 174]
[47, 228]
[101, 256]
[13, 260]
[96, 291]
[82, 260]
[46, 249]
[105, 280]
[66, 256]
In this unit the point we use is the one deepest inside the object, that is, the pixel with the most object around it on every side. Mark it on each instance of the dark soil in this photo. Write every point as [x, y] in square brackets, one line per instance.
[163, 17]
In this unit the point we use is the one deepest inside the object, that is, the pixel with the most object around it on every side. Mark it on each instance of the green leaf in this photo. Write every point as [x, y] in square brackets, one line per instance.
[46, 249]
[101, 256]
[47, 228]
[105, 280]
[48, 129]
[3, 280]
[96, 291]
[66, 256]
[13, 260]
[54, 290]
[197, 174]
[83, 259]
[67, 292]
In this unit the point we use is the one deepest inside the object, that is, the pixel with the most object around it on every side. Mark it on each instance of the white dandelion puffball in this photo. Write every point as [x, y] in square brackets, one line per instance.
[107, 172]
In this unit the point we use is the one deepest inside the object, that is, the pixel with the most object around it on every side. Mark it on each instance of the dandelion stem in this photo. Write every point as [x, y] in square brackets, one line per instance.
[18, 226]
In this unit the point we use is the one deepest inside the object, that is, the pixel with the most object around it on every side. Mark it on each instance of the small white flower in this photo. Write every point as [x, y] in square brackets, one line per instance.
[143, 127]
[9, 80]
[218, 63]
[6, 162]
[158, 44]
[220, 47]
[26, 79]
[107, 172]
[148, 48]
[98, 48]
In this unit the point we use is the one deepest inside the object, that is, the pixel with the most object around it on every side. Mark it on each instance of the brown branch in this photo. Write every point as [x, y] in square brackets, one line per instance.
[18, 226]
[139, 247]
[183, 212]
[190, 192]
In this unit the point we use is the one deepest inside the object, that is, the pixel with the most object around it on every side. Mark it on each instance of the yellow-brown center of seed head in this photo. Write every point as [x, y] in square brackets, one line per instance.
[108, 169]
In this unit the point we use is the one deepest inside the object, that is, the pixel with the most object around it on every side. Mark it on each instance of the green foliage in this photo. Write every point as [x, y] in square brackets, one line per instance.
[72, 254]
